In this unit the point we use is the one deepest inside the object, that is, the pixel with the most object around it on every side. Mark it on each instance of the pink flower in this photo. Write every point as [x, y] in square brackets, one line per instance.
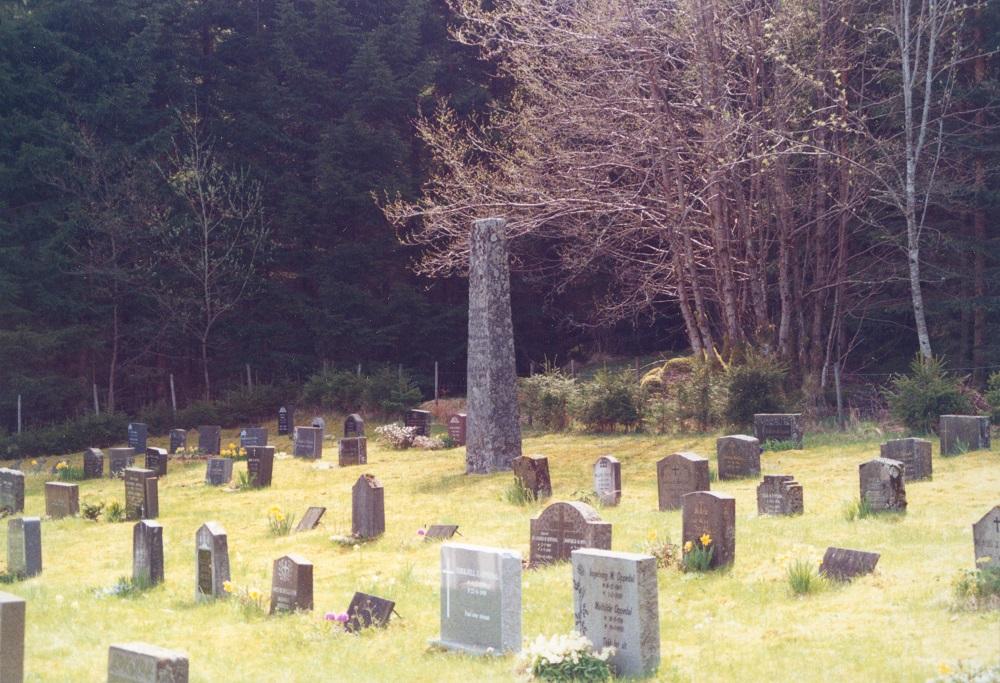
[337, 616]
[420, 532]
[330, 616]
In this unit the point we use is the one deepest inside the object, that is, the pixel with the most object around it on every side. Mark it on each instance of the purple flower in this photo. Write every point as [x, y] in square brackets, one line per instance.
[342, 617]
[420, 532]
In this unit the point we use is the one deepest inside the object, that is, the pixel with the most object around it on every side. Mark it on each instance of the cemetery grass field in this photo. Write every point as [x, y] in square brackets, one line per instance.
[902, 624]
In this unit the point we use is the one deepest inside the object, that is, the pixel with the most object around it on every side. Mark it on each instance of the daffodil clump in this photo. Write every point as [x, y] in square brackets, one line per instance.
[565, 657]
[279, 523]
[250, 600]
[979, 588]
[233, 451]
[665, 552]
[698, 554]
[66, 472]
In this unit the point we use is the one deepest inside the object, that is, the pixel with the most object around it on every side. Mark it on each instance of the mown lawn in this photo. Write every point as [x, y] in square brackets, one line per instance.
[742, 625]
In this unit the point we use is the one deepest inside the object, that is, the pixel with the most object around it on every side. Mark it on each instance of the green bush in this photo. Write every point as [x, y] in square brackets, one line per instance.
[336, 390]
[545, 398]
[72, 435]
[609, 400]
[993, 396]
[385, 392]
[756, 386]
[389, 392]
[917, 399]
[700, 396]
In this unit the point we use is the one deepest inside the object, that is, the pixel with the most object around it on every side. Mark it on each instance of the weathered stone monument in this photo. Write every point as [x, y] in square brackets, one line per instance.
[781, 427]
[93, 463]
[419, 421]
[286, 420]
[367, 507]
[142, 663]
[352, 451]
[493, 436]
[147, 552]
[156, 460]
[141, 494]
[843, 564]
[24, 546]
[366, 611]
[960, 433]
[310, 520]
[12, 617]
[211, 556]
[292, 584]
[532, 471]
[882, 484]
[11, 490]
[779, 494]
[253, 436]
[457, 425]
[712, 513]
[678, 474]
[209, 439]
[137, 435]
[915, 454]
[61, 499]
[616, 604]
[440, 532]
[260, 465]
[118, 460]
[178, 440]
[562, 528]
[308, 442]
[738, 456]
[354, 426]
[986, 539]
[480, 599]
[608, 480]
[218, 471]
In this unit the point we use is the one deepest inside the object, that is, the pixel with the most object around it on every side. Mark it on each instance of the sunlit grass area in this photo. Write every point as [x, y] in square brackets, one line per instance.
[901, 624]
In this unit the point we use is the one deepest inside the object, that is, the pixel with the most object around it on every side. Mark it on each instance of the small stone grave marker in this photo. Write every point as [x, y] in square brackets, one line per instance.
[11, 638]
[986, 539]
[781, 427]
[142, 663]
[915, 454]
[367, 507]
[420, 420]
[562, 528]
[253, 436]
[882, 484]
[353, 451]
[178, 440]
[285, 420]
[61, 499]
[211, 548]
[141, 494]
[960, 433]
[11, 490]
[118, 460]
[292, 584]
[24, 546]
[93, 463]
[532, 471]
[679, 474]
[480, 599]
[156, 460]
[616, 603]
[844, 564]
[738, 456]
[366, 611]
[308, 442]
[210, 439]
[440, 532]
[318, 422]
[147, 552]
[457, 428]
[137, 435]
[712, 513]
[608, 480]
[310, 520]
[779, 494]
[354, 426]
[260, 465]
[218, 471]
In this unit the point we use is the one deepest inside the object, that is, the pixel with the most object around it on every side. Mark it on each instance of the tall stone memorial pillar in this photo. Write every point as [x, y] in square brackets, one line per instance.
[493, 431]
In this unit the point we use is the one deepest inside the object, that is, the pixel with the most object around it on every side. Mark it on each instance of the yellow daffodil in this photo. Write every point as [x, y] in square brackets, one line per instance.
[232, 445]
[227, 586]
[688, 546]
[944, 669]
[651, 536]
[706, 540]
[255, 595]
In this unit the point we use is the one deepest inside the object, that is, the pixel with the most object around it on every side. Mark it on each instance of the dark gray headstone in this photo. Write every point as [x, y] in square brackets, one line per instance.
[844, 564]
[779, 494]
[253, 436]
[147, 552]
[616, 604]
[712, 513]
[679, 474]
[291, 584]
[367, 507]
[141, 494]
[210, 439]
[960, 433]
[533, 473]
[61, 499]
[24, 546]
[93, 463]
[781, 427]
[118, 460]
[440, 532]
[218, 471]
[286, 420]
[178, 440]
[11, 638]
[310, 520]
[493, 436]
[366, 611]
[986, 539]
[308, 442]
[137, 435]
[142, 663]
[211, 551]
[738, 456]
[156, 460]
[562, 528]
[260, 465]
[608, 480]
[353, 451]
[11, 490]
[420, 421]
[915, 454]
[457, 428]
[480, 599]
[354, 426]
[882, 484]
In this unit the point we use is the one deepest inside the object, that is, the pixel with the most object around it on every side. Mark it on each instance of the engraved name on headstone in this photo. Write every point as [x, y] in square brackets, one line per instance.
[915, 454]
[354, 426]
[291, 584]
[562, 528]
[260, 465]
[352, 451]
[882, 484]
[608, 480]
[286, 420]
[712, 513]
[308, 442]
[137, 435]
[156, 460]
[367, 507]
[781, 427]
[457, 425]
[93, 463]
[420, 421]
[141, 494]
[253, 436]
[218, 471]
[209, 439]
[738, 456]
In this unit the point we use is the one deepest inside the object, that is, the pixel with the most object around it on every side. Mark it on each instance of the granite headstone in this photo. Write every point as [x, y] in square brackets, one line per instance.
[960, 433]
[285, 421]
[986, 539]
[457, 425]
[679, 474]
[143, 663]
[367, 507]
[61, 499]
[209, 439]
[915, 454]
[562, 528]
[352, 451]
[11, 490]
[260, 465]
[93, 463]
[532, 471]
[779, 494]
[608, 480]
[308, 442]
[310, 520]
[178, 440]
[882, 484]
[118, 460]
[141, 494]
[137, 435]
[366, 611]
[12, 619]
[156, 460]
[354, 426]
[218, 471]
[420, 421]
[253, 436]
[738, 456]
[291, 584]
[843, 564]
[24, 546]
[147, 552]
[780, 427]
[712, 513]
[211, 555]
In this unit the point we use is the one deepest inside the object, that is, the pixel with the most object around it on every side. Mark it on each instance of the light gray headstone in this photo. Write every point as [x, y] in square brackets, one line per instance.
[882, 484]
[211, 561]
[147, 552]
[608, 480]
[12, 617]
[11, 490]
[986, 538]
[24, 546]
[779, 494]
[143, 663]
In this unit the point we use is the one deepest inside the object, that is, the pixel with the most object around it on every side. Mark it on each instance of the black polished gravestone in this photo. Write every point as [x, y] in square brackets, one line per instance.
[147, 552]
[253, 436]
[562, 528]
[137, 435]
[291, 584]
[457, 428]
[843, 564]
[778, 427]
[11, 490]
[310, 520]
[354, 426]
[141, 494]
[24, 547]
[366, 611]
[209, 439]
[353, 451]
[93, 463]
[260, 465]
[420, 421]
[156, 460]
[367, 507]
[178, 440]
[218, 471]
[440, 532]
[308, 442]
[211, 549]
[286, 419]
[118, 460]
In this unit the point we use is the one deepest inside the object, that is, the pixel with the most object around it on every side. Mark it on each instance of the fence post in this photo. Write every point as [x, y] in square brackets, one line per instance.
[840, 402]
[359, 369]
[173, 394]
[19, 413]
[435, 382]
[572, 367]
[249, 378]
[97, 406]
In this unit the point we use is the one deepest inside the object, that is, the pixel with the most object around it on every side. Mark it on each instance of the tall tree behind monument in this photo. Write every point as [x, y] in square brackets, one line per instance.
[493, 433]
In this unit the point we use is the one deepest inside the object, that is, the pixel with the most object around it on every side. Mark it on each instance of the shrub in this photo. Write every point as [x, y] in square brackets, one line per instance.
[993, 395]
[336, 390]
[395, 436]
[66, 437]
[115, 512]
[390, 392]
[609, 400]
[979, 587]
[694, 391]
[384, 392]
[545, 398]
[756, 386]
[927, 392]
[91, 511]
[565, 658]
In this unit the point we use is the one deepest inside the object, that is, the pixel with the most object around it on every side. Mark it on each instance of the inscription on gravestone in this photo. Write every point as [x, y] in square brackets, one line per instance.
[779, 494]
[986, 539]
[218, 471]
[61, 499]
[562, 528]
[178, 440]
[354, 426]
[616, 604]
[844, 564]
[209, 439]
[367, 507]
[960, 433]
[308, 442]
[211, 560]
[712, 513]
[156, 460]
[118, 460]
[310, 520]
[141, 495]
[285, 420]
[11, 490]
[882, 484]
[137, 435]
[783, 427]
[11, 638]
[253, 436]
[147, 552]
[291, 584]
[457, 428]
[353, 451]
[532, 471]
[260, 465]
[93, 463]
[24, 546]
[608, 480]
[738, 456]
[366, 611]
[142, 663]
[915, 454]
[679, 474]
[420, 421]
